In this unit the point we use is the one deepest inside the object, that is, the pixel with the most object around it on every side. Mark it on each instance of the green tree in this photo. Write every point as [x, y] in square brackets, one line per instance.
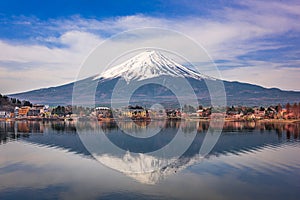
[13, 100]
[27, 103]
[19, 102]
[249, 110]
[278, 108]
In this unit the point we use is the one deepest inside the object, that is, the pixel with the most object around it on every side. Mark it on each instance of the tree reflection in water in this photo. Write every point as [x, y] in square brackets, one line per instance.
[17, 129]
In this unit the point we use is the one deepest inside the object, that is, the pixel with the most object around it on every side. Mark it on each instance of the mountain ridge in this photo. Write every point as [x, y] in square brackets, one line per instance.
[152, 65]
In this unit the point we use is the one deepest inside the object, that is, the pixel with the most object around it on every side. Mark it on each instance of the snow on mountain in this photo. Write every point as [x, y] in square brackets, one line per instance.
[145, 168]
[149, 64]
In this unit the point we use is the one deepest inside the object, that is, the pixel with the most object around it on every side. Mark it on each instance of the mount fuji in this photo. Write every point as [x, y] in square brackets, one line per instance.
[152, 65]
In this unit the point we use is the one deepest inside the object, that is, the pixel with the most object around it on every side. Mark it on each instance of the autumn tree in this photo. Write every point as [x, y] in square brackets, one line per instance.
[278, 108]
[288, 108]
[295, 110]
[298, 109]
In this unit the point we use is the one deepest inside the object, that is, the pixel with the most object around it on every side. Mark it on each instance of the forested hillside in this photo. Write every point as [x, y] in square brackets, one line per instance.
[8, 104]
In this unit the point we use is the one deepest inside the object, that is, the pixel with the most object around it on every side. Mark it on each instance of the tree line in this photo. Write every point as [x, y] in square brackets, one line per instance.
[9, 104]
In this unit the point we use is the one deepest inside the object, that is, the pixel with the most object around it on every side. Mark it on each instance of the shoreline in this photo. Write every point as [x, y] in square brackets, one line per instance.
[286, 121]
[266, 120]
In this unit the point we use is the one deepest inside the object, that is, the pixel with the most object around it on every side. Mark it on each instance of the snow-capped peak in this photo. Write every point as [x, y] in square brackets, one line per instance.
[149, 64]
[146, 168]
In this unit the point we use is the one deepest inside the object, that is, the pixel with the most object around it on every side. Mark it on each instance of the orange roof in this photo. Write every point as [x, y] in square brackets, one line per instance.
[24, 110]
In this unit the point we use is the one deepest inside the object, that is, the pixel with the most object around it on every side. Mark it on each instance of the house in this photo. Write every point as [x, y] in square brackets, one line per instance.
[199, 113]
[38, 106]
[36, 110]
[173, 113]
[270, 112]
[259, 113]
[23, 111]
[4, 114]
[136, 112]
[16, 111]
[103, 112]
[33, 112]
[157, 114]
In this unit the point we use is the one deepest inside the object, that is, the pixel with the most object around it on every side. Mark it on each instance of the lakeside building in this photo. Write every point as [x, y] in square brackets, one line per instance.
[243, 113]
[103, 112]
[135, 112]
[36, 110]
[4, 114]
[174, 113]
[23, 111]
[16, 111]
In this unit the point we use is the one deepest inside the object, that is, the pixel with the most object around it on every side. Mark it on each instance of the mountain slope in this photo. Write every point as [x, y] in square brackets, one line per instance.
[151, 65]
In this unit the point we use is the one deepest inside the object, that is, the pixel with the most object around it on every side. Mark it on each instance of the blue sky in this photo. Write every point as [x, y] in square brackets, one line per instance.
[45, 10]
[43, 43]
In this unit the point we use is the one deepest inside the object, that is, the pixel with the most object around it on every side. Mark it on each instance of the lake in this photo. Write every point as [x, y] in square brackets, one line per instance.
[97, 160]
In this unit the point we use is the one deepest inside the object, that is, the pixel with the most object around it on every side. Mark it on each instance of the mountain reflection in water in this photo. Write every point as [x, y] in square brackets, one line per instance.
[253, 159]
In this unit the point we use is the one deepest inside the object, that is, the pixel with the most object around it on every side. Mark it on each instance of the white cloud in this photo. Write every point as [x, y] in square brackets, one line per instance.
[270, 75]
[40, 66]
[227, 34]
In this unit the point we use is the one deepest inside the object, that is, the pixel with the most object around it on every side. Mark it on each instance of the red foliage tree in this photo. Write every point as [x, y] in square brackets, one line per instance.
[295, 110]
[288, 108]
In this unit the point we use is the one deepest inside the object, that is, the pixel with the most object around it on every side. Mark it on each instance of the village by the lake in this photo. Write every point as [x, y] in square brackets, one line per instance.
[279, 113]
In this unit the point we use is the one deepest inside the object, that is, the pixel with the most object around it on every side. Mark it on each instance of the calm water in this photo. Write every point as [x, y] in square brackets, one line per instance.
[49, 160]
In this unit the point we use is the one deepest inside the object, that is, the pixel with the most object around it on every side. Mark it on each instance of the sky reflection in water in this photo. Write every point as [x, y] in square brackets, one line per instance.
[48, 160]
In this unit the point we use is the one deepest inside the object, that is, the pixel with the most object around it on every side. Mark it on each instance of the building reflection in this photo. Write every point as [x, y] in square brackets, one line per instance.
[291, 130]
[12, 130]
[16, 129]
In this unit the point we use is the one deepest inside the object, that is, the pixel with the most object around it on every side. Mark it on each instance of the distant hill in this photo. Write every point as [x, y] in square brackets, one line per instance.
[237, 94]
[151, 65]
[9, 103]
